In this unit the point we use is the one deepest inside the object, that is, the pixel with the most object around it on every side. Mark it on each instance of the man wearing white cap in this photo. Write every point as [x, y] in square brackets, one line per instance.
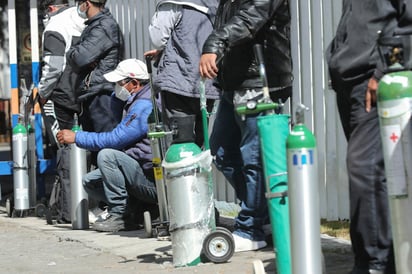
[124, 161]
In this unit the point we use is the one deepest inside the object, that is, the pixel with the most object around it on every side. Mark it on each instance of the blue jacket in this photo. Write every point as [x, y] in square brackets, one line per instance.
[130, 135]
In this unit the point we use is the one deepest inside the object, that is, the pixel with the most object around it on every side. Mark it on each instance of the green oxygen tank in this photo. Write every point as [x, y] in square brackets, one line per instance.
[20, 167]
[191, 206]
[394, 101]
[79, 197]
[303, 198]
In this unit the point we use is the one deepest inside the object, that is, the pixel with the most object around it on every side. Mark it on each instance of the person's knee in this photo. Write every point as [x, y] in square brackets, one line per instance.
[86, 181]
[104, 156]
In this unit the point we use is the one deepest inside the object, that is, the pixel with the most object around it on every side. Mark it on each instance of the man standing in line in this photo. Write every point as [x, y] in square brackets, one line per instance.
[228, 53]
[63, 28]
[100, 49]
[177, 32]
[354, 69]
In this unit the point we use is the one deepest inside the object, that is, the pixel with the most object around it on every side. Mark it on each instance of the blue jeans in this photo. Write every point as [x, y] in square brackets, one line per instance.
[235, 144]
[117, 178]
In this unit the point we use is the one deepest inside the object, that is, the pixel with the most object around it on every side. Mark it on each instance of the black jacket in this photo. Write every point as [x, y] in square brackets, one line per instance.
[353, 54]
[100, 49]
[239, 25]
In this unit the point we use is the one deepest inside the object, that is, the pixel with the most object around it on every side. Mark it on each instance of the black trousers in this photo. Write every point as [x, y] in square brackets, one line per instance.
[370, 228]
[181, 106]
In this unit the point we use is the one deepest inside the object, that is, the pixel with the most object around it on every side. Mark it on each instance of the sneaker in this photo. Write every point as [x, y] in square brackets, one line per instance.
[111, 224]
[103, 215]
[98, 215]
[114, 223]
[243, 244]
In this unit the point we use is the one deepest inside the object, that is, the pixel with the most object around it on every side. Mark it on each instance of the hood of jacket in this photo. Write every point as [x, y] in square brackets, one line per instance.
[205, 6]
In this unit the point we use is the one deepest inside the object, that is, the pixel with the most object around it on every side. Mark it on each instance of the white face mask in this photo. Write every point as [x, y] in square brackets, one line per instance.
[121, 92]
[82, 14]
[46, 20]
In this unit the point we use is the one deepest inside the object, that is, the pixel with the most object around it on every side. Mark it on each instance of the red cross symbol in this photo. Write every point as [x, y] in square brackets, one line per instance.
[394, 138]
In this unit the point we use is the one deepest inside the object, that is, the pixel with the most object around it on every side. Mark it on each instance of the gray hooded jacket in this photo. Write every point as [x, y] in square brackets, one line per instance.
[179, 28]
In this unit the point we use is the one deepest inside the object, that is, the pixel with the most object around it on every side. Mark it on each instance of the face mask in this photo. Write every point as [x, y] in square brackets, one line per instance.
[121, 92]
[46, 20]
[82, 14]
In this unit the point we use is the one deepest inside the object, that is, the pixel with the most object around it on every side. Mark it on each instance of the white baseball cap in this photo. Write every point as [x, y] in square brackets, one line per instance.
[129, 68]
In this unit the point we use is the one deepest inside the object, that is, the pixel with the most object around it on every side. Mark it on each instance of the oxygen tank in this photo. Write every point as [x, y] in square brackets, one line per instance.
[79, 198]
[303, 195]
[20, 167]
[191, 208]
[394, 101]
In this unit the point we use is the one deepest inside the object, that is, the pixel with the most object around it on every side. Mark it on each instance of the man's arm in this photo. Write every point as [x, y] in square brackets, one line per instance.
[242, 27]
[53, 57]
[88, 51]
[131, 129]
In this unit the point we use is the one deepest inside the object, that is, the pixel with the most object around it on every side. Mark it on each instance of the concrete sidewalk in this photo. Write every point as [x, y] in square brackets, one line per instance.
[149, 255]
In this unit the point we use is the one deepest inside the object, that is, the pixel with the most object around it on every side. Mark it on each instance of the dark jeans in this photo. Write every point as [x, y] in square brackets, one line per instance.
[370, 227]
[117, 178]
[235, 143]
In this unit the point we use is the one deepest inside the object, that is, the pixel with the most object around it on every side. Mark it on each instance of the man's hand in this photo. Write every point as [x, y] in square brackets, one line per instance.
[66, 136]
[207, 65]
[370, 96]
[42, 101]
[153, 53]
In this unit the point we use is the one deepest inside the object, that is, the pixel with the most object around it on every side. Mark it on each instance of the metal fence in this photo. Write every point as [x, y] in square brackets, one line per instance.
[313, 26]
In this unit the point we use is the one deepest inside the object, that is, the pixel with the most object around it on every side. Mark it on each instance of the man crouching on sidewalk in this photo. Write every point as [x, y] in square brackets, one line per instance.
[124, 177]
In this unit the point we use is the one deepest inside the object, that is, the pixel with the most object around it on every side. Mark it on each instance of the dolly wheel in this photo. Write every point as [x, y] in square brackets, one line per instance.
[40, 210]
[147, 222]
[258, 267]
[219, 245]
[9, 207]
